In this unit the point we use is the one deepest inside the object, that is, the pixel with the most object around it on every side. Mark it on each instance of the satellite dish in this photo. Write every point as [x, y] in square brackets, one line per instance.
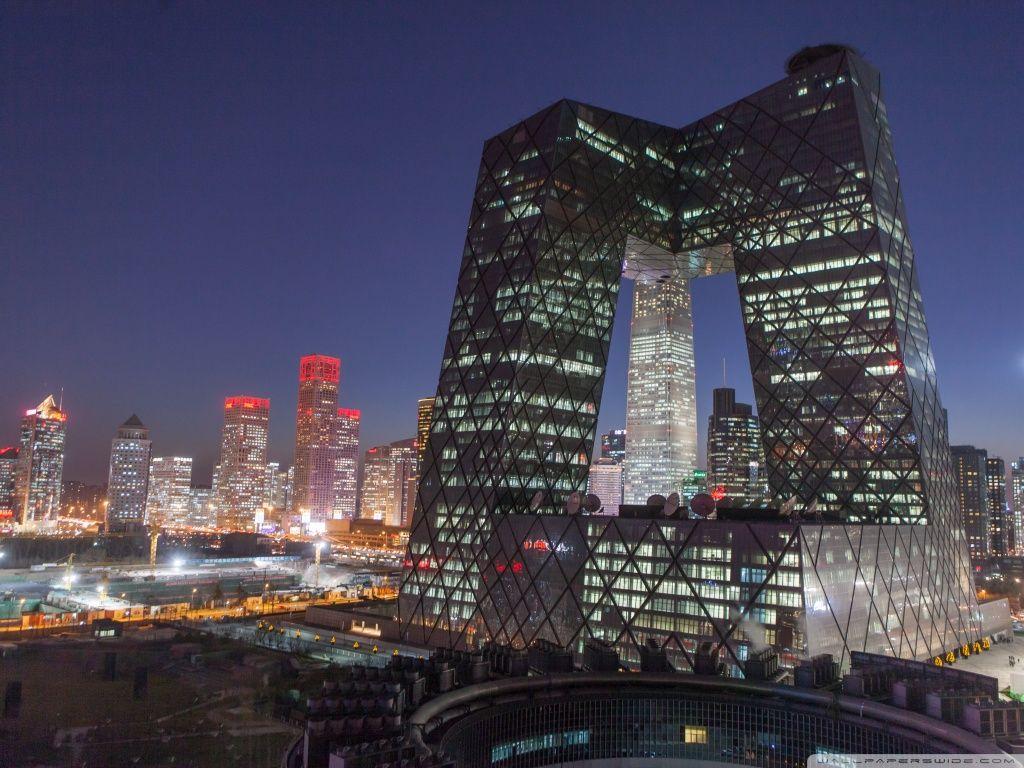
[657, 500]
[592, 503]
[671, 505]
[702, 505]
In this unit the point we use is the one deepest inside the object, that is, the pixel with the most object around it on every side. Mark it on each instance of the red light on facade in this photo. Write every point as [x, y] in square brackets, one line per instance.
[517, 567]
[320, 368]
[8, 451]
[350, 413]
[718, 493]
[244, 401]
[500, 567]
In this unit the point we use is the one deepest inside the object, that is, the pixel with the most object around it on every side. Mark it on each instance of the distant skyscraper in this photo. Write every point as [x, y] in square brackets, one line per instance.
[170, 491]
[315, 438]
[346, 468]
[202, 507]
[37, 483]
[661, 401]
[389, 482]
[613, 445]
[128, 481]
[8, 467]
[605, 482]
[1017, 500]
[242, 470]
[1000, 521]
[275, 496]
[424, 418]
[971, 473]
[735, 463]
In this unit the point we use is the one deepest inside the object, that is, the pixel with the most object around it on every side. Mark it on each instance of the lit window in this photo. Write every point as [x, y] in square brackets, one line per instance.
[695, 734]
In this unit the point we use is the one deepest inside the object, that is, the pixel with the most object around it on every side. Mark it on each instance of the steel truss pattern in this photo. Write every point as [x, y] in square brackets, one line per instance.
[795, 189]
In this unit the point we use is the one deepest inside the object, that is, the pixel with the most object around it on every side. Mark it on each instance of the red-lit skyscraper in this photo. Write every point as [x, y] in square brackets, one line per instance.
[346, 465]
[8, 465]
[243, 462]
[315, 440]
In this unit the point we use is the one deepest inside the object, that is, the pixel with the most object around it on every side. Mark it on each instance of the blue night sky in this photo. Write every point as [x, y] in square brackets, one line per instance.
[192, 195]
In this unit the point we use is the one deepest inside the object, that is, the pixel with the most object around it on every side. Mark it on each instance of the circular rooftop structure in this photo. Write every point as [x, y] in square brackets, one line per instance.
[645, 720]
[812, 54]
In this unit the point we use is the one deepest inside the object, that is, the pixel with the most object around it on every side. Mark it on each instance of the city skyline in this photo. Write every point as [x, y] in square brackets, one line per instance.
[180, 385]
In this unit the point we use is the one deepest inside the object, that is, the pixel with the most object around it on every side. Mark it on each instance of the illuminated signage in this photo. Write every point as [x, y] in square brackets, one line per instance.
[544, 545]
[962, 652]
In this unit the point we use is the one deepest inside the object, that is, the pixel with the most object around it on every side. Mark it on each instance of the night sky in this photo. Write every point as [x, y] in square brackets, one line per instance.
[192, 195]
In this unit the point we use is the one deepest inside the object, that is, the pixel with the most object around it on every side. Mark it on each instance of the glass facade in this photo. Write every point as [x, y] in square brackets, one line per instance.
[346, 474]
[970, 471]
[795, 189]
[316, 440]
[128, 481]
[170, 490]
[241, 476]
[40, 468]
[735, 464]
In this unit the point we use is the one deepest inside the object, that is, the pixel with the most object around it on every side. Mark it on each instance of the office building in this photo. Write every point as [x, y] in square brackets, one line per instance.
[971, 473]
[661, 398]
[242, 473]
[170, 491]
[315, 439]
[202, 507]
[389, 483]
[613, 445]
[794, 188]
[128, 481]
[1017, 502]
[605, 482]
[346, 471]
[735, 465]
[275, 498]
[8, 465]
[40, 468]
[424, 416]
[1000, 520]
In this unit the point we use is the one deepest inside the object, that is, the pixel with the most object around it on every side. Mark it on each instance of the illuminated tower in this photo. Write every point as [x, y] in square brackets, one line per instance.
[8, 467]
[1000, 522]
[242, 472]
[37, 483]
[661, 400]
[613, 445]
[170, 491]
[605, 482]
[971, 473]
[735, 463]
[424, 418]
[315, 438]
[389, 482]
[1017, 501]
[128, 481]
[346, 463]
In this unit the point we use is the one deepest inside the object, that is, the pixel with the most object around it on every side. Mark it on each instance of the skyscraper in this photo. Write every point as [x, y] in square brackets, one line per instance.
[389, 482]
[424, 417]
[346, 472]
[8, 467]
[1000, 521]
[37, 482]
[1017, 500]
[661, 400]
[613, 445]
[202, 507]
[605, 482]
[128, 481]
[315, 439]
[170, 491]
[795, 189]
[242, 472]
[735, 464]
[971, 474]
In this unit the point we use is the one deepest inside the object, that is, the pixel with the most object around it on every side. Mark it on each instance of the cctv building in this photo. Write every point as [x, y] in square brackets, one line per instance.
[795, 190]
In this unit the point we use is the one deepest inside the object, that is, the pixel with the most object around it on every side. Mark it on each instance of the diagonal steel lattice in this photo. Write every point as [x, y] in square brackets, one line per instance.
[795, 189]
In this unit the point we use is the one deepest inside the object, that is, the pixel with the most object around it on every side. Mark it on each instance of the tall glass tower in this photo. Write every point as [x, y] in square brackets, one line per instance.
[661, 391]
[128, 481]
[316, 439]
[40, 468]
[242, 473]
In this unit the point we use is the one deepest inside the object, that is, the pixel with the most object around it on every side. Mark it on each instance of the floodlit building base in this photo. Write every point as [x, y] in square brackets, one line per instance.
[802, 588]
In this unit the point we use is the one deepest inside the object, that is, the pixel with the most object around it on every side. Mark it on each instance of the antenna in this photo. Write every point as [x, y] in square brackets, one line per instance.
[60, 405]
[724, 382]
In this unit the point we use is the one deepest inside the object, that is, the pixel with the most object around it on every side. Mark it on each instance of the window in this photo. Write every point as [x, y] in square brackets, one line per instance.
[695, 734]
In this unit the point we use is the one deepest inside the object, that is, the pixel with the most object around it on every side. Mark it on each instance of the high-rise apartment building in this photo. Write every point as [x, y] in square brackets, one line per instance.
[613, 445]
[170, 491]
[389, 482]
[128, 481]
[40, 469]
[346, 468]
[605, 482]
[971, 474]
[661, 398]
[735, 464]
[1017, 502]
[424, 418]
[315, 439]
[242, 472]
[1000, 520]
